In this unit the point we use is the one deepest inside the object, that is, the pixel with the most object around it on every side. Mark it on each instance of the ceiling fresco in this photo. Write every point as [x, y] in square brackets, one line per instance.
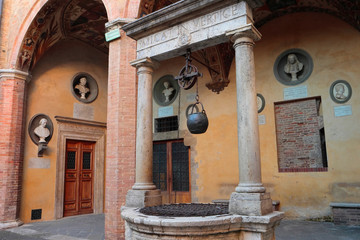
[59, 19]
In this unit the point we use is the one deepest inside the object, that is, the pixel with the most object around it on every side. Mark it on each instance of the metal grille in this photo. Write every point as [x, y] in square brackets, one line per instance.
[160, 166]
[70, 164]
[180, 166]
[186, 210]
[36, 214]
[166, 124]
[86, 160]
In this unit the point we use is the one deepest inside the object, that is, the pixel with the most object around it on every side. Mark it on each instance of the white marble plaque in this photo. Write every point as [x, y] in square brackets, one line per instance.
[83, 111]
[295, 92]
[340, 111]
[166, 111]
[262, 119]
[190, 97]
[41, 163]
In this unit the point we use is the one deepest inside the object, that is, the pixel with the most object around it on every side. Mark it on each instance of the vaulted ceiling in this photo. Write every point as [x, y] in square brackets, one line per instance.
[59, 19]
[347, 10]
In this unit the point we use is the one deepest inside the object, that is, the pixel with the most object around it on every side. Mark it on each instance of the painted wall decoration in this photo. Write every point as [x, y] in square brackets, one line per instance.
[340, 91]
[293, 67]
[84, 87]
[218, 61]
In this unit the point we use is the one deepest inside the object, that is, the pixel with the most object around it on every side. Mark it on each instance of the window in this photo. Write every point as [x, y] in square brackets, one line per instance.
[300, 136]
[166, 124]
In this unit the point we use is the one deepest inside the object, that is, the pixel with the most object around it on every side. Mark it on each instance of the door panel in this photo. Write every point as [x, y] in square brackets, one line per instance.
[171, 171]
[78, 195]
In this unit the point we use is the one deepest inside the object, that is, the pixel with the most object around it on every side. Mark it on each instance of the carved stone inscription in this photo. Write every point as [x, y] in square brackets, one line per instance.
[212, 25]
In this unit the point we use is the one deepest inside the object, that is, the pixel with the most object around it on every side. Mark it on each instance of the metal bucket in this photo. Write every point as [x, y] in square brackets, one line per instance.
[197, 122]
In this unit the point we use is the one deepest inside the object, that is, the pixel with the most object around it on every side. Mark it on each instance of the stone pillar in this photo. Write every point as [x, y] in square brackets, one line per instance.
[144, 191]
[121, 129]
[12, 101]
[249, 197]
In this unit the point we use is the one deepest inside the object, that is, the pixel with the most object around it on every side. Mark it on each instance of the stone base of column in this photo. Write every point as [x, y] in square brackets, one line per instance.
[143, 198]
[250, 204]
[10, 224]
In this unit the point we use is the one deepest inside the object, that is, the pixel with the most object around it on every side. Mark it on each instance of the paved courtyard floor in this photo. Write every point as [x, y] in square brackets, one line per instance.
[92, 227]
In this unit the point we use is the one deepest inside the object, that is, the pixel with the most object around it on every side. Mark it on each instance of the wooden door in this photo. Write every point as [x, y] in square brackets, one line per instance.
[78, 193]
[171, 171]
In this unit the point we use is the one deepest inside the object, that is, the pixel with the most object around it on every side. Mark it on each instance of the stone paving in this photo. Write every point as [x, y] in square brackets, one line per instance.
[91, 227]
[83, 227]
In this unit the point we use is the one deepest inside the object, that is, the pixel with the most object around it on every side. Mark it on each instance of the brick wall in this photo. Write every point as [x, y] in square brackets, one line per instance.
[11, 146]
[298, 136]
[346, 216]
[121, 130]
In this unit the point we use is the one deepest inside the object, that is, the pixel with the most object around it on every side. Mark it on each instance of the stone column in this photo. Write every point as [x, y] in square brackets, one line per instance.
[12, 99]
[144, 191]
[249, 197]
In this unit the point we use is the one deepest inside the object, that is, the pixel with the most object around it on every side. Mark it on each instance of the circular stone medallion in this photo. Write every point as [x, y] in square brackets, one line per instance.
[166, 90]
[84, 87]
[340, 91]
[35, 122]
[292, 67]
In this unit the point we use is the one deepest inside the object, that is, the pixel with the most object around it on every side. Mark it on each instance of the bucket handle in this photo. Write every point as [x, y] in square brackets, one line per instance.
[197, 102]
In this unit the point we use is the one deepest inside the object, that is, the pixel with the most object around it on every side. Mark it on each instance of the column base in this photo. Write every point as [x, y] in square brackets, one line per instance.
[10, 224]
[143, 198]
[250, 204]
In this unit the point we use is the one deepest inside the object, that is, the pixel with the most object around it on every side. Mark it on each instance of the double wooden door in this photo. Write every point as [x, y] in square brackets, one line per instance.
[78, 192]
[171, 171]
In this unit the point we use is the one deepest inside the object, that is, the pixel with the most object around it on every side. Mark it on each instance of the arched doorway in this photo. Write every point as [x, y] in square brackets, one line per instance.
[64, 43]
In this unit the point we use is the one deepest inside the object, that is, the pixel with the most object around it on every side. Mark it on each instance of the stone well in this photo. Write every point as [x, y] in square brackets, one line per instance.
[226, 226]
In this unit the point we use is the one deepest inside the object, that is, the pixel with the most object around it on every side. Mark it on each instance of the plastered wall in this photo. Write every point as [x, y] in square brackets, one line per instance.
[335, 49]
[49, 92]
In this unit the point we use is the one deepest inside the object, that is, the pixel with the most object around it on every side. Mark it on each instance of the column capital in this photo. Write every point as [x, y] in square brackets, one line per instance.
[15, 74]
[145, 62]
[248, 32]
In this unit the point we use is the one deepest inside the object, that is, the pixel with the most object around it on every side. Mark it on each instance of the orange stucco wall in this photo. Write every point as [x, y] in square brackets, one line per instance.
[335, 49]
[49, 92]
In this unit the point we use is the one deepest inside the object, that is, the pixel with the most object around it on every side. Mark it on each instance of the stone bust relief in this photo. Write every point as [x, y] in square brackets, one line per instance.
[83, 90]
[42, 131]
[293, 66]
[167, 91]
